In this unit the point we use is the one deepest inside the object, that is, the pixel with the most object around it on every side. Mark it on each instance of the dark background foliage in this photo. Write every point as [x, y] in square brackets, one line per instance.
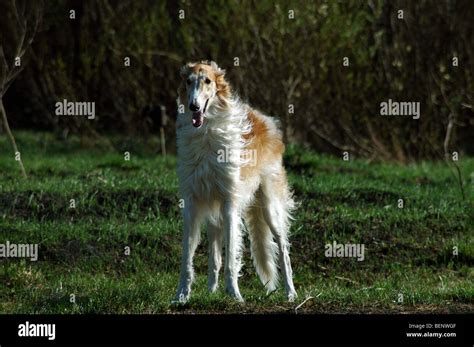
[282, 61]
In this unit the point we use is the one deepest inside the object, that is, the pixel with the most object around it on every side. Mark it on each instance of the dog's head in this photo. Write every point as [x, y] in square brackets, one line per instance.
[202, 85]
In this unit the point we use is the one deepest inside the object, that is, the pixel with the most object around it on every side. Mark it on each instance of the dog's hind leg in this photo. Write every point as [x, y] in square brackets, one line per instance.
[191, 237]
[214, 236]
[277, 204]
[233, 247]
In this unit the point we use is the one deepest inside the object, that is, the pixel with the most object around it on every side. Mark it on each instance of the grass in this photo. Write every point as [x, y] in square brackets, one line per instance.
[134, 204]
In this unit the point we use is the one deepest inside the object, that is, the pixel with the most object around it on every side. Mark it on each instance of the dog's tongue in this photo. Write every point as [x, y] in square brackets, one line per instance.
[198, 119]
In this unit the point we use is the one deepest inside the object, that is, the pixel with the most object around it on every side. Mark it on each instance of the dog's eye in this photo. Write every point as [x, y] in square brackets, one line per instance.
[188, 81]
[208, 81]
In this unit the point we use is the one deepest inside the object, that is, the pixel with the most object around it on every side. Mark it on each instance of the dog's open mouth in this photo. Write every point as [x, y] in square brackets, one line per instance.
[198, 117]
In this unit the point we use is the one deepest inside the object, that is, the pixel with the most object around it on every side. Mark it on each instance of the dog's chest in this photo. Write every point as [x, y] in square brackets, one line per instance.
[205, 171]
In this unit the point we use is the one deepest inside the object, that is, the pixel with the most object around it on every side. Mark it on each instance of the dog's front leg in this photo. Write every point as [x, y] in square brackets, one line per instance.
[191, 238]
[233, 241]
[214, 235]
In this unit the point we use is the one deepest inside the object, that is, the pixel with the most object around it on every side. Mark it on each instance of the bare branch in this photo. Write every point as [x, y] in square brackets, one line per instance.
[331, 141]
[12, 138]
[10, 72]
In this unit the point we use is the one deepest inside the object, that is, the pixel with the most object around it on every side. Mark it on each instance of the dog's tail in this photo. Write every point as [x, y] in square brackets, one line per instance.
[263, 248]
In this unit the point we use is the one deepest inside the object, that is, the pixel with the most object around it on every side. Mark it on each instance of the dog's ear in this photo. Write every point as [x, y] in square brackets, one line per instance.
[186, 69]
[217, 69]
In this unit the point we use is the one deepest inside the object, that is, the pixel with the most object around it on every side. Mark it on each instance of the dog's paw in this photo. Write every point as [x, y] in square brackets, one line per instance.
[238, 298]
[291, 296]
[212, 288]
[235, 294]
[182, 297]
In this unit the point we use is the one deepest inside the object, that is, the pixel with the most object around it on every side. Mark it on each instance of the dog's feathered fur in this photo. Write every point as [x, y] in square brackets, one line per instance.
[222, 191]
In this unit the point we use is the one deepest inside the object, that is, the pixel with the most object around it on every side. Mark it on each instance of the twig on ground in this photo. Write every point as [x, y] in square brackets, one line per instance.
[304, 302]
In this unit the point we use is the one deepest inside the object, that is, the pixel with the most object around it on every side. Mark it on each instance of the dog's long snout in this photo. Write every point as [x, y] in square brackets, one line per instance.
[194, 106]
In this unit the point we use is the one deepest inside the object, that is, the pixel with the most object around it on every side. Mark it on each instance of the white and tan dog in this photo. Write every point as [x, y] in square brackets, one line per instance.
[229, 167]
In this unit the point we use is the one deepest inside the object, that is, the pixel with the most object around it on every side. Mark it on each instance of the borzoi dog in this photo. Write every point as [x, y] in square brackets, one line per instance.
[230, 167]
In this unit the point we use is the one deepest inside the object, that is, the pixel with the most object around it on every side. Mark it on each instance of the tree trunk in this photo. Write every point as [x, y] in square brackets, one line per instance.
[12, 139]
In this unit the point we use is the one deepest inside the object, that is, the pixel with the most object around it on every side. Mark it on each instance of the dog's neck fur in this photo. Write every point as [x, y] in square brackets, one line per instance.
[199, 149]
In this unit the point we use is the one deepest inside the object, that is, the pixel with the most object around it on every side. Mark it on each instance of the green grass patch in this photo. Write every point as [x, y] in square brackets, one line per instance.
[423, 251]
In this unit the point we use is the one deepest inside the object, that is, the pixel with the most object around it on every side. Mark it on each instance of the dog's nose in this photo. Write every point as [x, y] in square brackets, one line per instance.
[194, 107]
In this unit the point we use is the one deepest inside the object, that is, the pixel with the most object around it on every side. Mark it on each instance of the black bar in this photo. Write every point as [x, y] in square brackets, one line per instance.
[242, 329]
